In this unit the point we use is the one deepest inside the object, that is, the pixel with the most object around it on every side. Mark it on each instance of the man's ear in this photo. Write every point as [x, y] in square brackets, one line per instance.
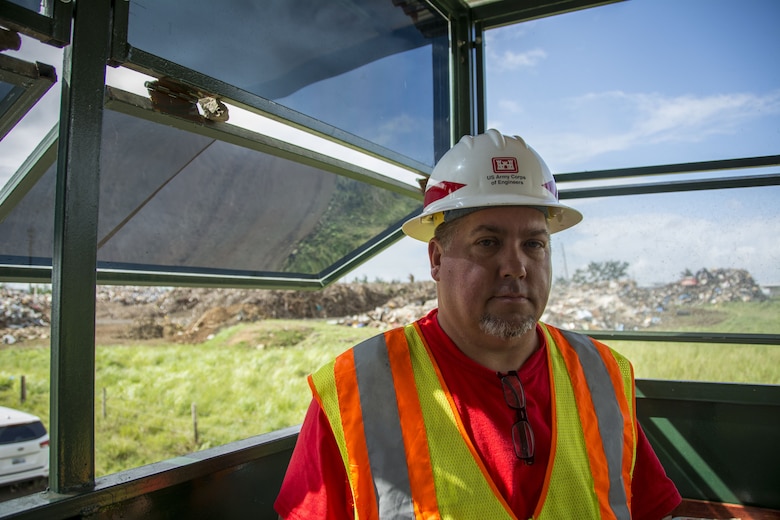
[434, 256]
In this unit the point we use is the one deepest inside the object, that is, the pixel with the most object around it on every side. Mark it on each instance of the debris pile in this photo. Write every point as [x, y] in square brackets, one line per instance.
[716, 286]
[192, 315]
[23, 315]
[622, 305]
[614, 305]
[392, 314]
[130, 295]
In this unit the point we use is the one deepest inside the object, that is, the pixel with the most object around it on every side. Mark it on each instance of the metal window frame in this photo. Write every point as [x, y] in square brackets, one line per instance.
[52, 28]
[74, 275]
[137, 106]
[124, 54]
[31, 81]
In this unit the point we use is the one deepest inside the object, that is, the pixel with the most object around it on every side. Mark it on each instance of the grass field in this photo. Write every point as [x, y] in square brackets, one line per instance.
[251, 379]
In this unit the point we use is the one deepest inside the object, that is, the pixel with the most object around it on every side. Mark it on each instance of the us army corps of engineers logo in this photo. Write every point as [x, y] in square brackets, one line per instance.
[505, 172]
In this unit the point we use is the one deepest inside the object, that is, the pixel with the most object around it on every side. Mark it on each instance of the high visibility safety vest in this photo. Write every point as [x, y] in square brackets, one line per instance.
[407, 454]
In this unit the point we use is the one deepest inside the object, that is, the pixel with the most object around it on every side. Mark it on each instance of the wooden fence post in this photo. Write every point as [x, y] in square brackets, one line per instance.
[195, 422]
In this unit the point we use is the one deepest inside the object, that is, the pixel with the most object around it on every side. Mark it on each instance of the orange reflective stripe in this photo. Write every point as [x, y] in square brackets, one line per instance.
[599, 467]
[461, 428]
[357, 451]
[412, 427]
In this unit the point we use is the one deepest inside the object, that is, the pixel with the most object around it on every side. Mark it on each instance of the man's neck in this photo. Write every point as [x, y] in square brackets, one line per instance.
[498, 354]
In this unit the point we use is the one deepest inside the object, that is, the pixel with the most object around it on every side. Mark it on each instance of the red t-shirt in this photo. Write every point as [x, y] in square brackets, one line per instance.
[316, 485]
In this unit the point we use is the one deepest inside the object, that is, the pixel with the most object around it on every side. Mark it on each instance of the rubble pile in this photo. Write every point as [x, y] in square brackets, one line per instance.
[192, 315]
[614, 305]
[716, 286]
[23, 315]
[622, 305]
[130, 295]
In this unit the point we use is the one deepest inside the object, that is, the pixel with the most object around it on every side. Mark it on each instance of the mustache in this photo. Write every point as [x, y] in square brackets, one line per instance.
[511, 288]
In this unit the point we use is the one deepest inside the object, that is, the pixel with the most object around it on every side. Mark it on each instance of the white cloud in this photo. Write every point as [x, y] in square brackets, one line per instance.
[659, 246]
[694, 118]
[617, 121]
[509, 60]
[510, 107]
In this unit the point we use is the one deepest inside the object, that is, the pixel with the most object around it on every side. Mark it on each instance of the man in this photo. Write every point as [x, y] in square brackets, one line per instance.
[478, 410]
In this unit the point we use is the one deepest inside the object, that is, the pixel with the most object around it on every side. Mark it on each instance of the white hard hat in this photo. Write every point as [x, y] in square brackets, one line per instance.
[487, 170]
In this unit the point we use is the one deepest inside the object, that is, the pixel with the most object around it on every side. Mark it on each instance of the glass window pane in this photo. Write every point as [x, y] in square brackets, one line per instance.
[695, 261]
[640, 83]
[5, 89]
[363, 66]
[174, 200]
[629, 85]
[33, 5]
[22, 84]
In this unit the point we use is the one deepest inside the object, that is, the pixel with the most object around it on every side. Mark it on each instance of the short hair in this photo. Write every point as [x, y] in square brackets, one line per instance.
[445, 232]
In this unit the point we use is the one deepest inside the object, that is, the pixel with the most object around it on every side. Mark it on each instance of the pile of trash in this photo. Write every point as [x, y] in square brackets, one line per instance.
[23, 315]
[614, 305]
[192, 315]
[716, 286]
[622, 305]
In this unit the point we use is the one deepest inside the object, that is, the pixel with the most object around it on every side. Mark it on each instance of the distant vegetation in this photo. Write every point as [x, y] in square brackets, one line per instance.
[357, 213]
[251, 379]
[600, 272]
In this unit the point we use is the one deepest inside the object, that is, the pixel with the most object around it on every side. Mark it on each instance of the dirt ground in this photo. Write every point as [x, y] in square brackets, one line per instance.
[193, 315]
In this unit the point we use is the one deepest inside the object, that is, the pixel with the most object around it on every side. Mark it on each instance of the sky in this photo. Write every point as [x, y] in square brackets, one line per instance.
[614, 86]
[628, 85]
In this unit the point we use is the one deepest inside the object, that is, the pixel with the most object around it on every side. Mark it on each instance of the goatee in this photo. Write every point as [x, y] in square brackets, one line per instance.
[506, 329]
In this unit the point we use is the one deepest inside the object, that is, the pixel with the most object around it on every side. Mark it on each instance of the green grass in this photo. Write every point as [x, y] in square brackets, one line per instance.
[713, 362]
[248, 380]
[703, 362]
[251, 379]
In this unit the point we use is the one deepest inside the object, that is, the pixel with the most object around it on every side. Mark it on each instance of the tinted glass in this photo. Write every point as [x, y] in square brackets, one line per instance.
[22, 83]
[171, 199]
[640, 83]
[33, 5]
[21, 432]
[627, 85]
[365, 66]
[679, 261]
[5, 89]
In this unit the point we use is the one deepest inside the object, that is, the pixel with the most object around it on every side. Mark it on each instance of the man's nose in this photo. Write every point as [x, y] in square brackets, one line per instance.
[513, 262]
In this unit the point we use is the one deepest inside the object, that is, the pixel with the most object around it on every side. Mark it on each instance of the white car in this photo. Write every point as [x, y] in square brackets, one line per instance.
[24, 447]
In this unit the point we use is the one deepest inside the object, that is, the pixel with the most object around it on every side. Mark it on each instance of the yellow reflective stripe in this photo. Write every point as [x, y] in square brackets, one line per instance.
[323, 386]
[570, 471]
[629, 387]
[463, 488]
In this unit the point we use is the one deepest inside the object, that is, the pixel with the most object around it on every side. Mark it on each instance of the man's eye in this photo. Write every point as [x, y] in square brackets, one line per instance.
[487, 242]
[536, 244]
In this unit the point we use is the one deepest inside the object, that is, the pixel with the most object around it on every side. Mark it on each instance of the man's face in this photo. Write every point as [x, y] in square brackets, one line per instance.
[494, 276]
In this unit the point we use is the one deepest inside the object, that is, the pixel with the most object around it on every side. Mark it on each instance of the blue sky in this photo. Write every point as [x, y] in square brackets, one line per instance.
[620, 85]
[629, 85]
